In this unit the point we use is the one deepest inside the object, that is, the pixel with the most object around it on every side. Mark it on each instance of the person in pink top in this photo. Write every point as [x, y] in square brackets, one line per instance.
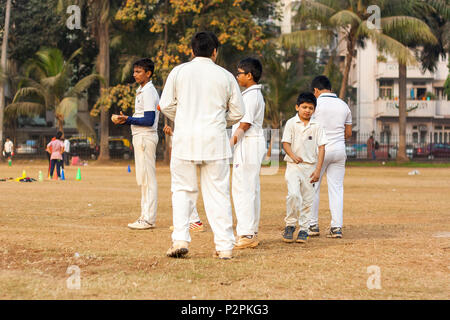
[56, 148]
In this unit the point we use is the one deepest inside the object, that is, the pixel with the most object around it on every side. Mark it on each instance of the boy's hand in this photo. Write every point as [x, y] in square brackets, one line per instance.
[315, 176]
[121, 118]
[168, 130]
[296, 159]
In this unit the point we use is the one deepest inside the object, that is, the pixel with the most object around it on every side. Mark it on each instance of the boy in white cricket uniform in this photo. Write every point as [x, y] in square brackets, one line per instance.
[144, 125]
[335, 117]
[202, 99]
[195, 224]
[250, 147]
[304, 142]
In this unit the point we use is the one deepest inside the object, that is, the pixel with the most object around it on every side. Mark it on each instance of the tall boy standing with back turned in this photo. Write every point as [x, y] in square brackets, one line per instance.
[202, 99]
[250, 147]
[144, 125]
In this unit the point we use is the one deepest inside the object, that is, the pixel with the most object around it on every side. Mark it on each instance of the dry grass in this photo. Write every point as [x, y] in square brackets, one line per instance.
[395, 221]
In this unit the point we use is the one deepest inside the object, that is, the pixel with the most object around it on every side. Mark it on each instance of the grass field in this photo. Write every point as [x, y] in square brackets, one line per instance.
[397, 222]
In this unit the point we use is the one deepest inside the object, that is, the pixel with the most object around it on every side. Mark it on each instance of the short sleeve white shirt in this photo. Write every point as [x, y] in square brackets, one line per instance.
[333, 114]
[304, 140]
[8, 146]
[254, 111]
[147, 99]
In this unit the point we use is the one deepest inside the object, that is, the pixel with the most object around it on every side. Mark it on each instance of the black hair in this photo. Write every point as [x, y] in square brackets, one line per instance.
[321, 83]
[203, 44]
[307, 97]
[7, 138]
[59, 135]
[146, 64]
[253, 66]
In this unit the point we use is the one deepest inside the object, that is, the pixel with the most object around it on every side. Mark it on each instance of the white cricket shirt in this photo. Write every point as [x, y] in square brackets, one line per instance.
[254, 111]
[333, 114]
[304, 140]
[147, 99]
[202, 99]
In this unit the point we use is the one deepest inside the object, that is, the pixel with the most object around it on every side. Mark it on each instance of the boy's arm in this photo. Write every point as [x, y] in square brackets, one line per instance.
[239, 133]
[316, 174]
[168, 102]
[236, 108]
[292, 155]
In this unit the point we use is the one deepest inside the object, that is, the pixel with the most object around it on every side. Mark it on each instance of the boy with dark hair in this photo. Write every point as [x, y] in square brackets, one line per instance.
[8, 149]
[202, 99]
[144, 125]
[336, 119]
[304, 142]
[250, 147]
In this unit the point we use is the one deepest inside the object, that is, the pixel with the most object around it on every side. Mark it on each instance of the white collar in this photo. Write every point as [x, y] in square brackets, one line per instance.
[147, 85]
[205, 59]
[253, 87]
[328, 95]
[311, 121]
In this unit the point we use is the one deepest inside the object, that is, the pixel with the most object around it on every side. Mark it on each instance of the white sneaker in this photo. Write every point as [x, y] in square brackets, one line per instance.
[225, 255]
[140, 224]
[178, 249]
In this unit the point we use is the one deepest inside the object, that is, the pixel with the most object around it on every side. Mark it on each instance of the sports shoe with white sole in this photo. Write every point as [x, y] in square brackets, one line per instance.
[224, 255]
[197, 226]
[246, 242]
[140, 224]
[335, 233]
[313, 230]
[178, 249]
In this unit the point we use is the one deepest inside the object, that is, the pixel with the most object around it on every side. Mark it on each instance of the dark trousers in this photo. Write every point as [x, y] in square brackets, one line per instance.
[66, 156]
[58, 167]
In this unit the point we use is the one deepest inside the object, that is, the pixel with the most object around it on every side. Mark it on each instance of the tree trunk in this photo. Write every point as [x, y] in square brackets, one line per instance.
[351, 43]
[103, 69]
[401, 154]
[3, 67]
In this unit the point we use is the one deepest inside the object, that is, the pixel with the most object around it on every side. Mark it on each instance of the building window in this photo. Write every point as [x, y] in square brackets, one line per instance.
[386, 89]
[415, 137]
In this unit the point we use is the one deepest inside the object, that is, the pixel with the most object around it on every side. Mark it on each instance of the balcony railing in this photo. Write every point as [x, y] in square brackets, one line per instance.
[415, 108]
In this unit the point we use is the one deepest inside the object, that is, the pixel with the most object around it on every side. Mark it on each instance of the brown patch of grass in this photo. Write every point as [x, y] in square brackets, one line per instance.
[391, 220]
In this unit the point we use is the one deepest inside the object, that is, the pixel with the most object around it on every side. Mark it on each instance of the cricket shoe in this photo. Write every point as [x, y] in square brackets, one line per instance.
[302, 237]
[313, 230]
[224, 255]
[335, 233]
[288, 235]
[140, 224]
[247, 242]
[179, 249]
[197, 226]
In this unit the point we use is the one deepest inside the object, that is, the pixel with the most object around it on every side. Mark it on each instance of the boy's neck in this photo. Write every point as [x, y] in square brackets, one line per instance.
[249, 84]
[144, 83]
[305, 121]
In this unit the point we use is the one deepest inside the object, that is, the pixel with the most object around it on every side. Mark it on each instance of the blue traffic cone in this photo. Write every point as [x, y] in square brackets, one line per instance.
[129, 168]
[62, 175]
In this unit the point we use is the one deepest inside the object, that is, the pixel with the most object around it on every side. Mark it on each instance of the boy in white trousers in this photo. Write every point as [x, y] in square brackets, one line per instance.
[195, 224]
[249, 149]
[202, 99]
[304, 142]
[144, 126]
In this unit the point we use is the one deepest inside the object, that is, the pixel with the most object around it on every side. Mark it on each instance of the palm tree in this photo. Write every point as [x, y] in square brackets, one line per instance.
[3, 65]
[350, 20]
[46, 86]
[280, 86]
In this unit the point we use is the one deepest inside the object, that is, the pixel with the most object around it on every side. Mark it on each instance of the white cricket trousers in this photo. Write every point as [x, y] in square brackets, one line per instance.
[144, 158]
[300, 194]
[334, 167]
[215, 184]
[246, 189]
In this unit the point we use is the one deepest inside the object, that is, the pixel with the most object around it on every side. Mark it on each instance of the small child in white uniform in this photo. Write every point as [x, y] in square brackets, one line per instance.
[304, 142]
